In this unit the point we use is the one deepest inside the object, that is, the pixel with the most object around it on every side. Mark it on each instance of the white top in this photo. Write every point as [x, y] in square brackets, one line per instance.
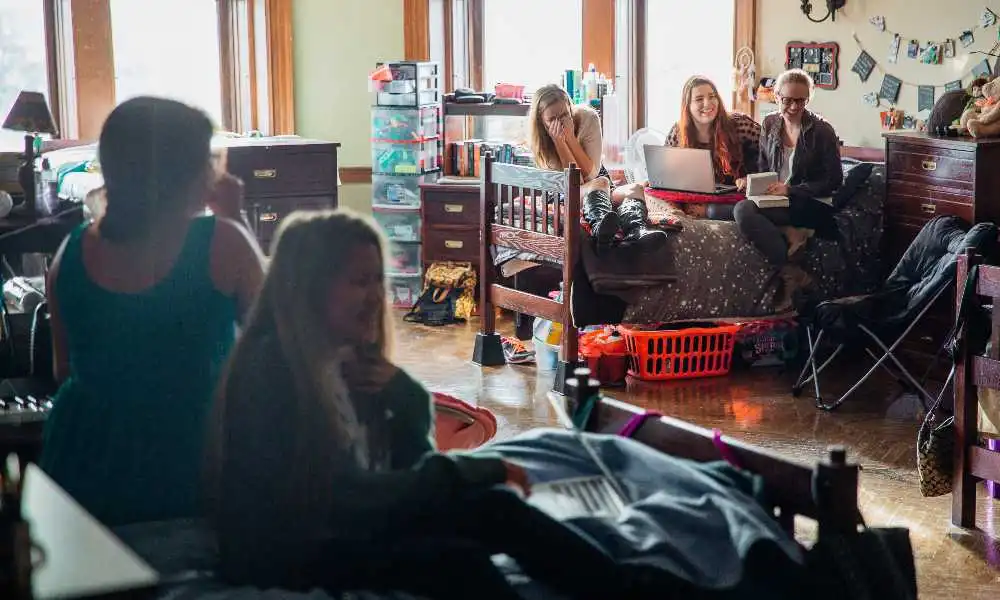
[588, 133]
[785, 173]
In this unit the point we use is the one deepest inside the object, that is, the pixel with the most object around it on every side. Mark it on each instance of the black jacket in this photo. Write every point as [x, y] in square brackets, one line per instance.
[816, 171]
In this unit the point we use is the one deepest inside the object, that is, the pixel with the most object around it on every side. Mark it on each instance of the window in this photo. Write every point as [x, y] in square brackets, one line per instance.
[23, 63]
[168, 48]
[690, 49]
[531, 42]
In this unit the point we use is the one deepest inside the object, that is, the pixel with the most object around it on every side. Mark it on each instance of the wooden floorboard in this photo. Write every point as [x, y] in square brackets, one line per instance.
[879, 426]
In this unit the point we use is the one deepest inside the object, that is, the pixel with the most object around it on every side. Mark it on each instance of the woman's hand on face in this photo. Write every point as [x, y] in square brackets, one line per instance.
[226, 197]
[568, 126]
[555, 129]
[741, 184]
[777, 188]
[517, 477]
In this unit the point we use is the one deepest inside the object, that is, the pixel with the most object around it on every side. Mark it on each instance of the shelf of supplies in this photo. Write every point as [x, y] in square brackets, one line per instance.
[486, 110]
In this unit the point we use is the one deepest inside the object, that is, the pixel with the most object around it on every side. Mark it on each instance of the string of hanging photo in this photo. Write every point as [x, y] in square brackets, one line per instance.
[930, 53]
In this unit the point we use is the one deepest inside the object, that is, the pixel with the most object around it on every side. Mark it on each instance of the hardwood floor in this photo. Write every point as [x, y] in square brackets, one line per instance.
[878, 426]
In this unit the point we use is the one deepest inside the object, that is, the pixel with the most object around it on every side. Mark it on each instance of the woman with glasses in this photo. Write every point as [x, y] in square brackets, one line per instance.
[803, 150]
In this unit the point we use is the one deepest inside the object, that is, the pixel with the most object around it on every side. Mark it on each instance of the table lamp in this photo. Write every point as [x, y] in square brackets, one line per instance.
[30, 114]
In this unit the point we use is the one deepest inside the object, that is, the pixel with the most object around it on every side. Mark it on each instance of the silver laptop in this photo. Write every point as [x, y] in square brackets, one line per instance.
[682, 170]
[598, 495]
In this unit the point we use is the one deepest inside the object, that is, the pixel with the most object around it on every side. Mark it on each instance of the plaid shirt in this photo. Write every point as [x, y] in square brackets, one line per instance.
[747, 132]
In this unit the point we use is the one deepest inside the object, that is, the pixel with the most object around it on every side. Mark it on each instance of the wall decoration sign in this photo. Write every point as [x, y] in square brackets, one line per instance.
[878, 21]
[931, 54]
[894, 48]
[987, 19]
[967, 38]
[819, 59]
[953, 85]
[948, 48]
[982, 69]
[871, 99]
[913, 49]
[925, 97]
[890, 89]
[864, 65]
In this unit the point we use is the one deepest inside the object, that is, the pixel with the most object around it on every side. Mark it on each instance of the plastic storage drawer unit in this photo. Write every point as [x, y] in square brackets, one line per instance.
[404, 258]
[405, 124]
[403, 290]
[400, 223]
[403, 190]
[405, 158]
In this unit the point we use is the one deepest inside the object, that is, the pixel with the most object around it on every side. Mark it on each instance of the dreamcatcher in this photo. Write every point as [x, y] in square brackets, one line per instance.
[745, 74]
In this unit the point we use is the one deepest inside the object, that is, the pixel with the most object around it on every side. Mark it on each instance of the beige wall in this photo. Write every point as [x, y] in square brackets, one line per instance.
[337, 43]
[781, 21]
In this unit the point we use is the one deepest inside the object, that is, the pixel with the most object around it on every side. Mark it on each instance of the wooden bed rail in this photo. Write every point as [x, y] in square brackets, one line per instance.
[530, 210]
[973, 461]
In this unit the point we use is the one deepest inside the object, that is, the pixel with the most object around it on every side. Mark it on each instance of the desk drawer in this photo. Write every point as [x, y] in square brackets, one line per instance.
[914, 202]
[284, 170]
[451, 244]
[942, 167]
[450, 208]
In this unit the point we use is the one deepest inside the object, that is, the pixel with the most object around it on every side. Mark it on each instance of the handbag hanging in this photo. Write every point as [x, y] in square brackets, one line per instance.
[936, 437]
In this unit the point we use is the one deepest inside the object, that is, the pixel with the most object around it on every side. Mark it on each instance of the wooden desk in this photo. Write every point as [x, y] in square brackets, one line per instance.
[83, 558]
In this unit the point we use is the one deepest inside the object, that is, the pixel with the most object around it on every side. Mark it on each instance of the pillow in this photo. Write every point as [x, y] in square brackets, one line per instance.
[854, 178]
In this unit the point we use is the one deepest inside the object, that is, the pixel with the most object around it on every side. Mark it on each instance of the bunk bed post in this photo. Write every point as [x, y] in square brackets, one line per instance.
[835, 491]
[569, 354]
[488, 351]
[965, 410]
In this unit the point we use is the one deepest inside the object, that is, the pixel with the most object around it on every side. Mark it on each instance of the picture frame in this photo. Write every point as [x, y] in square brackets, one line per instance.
[820, 59]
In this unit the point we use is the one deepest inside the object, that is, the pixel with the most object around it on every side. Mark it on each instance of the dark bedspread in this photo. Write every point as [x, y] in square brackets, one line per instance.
[721, 276]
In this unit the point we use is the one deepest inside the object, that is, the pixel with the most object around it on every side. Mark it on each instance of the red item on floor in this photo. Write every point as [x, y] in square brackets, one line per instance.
[459, 425]
[605, 354]
[681, 353]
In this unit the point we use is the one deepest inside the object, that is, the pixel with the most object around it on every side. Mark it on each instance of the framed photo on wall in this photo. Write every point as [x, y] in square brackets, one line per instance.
[820, 59]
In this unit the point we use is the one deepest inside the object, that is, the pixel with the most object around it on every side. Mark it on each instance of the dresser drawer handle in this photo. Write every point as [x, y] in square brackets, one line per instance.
[268, 217]
[929, 165]
[928, 207]
[453, 208]
[453, 244]
[265, 173]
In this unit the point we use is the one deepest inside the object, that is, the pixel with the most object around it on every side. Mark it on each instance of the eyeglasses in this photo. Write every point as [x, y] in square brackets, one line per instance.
[786, 102]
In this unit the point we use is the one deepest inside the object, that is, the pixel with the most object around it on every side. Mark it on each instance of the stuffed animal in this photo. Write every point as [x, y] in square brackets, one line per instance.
[974, 97]
[987, 122]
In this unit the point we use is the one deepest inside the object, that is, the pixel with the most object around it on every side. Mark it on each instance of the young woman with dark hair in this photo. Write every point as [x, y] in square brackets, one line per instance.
[144, 305]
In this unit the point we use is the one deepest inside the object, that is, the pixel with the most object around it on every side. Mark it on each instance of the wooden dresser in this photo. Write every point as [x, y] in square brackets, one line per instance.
[449, 217]
[927, 176]
[281, 175]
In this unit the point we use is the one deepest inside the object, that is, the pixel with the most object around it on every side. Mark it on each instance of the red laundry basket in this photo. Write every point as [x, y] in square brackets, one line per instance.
[658, 355]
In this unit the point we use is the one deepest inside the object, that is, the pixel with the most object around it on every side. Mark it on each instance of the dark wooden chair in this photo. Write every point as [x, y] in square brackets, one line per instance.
[974, 462]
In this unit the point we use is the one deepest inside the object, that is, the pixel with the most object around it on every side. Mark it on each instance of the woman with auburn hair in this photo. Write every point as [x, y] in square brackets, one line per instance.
[732, 138]
[561, 133]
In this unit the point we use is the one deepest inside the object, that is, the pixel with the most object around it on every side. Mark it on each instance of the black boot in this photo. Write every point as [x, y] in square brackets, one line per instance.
[600, 215]
[632, 216]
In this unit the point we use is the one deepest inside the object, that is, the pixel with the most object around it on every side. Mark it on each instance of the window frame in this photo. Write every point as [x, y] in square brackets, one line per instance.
[598, 43]
[257, 83]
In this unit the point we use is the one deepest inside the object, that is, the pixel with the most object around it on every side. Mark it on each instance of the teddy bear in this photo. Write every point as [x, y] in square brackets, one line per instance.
[987, 122]
[973, 96]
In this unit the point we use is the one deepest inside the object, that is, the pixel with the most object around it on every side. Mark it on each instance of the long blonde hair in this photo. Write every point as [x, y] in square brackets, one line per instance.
[539, 140]
[287, 326]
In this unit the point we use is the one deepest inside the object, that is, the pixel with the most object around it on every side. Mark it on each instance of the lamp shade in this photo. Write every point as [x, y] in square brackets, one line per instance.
[31, 114]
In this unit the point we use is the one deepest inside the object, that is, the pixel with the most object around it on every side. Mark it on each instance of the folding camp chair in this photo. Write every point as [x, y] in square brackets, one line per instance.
[924, 273]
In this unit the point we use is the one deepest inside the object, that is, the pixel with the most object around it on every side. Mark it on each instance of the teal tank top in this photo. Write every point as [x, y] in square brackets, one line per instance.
[126, 431]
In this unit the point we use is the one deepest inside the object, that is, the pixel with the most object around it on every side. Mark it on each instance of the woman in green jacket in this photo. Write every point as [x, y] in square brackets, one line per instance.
[322, 468]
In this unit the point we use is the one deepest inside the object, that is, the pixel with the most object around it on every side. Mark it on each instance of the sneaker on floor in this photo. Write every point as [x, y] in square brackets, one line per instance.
[515, 352]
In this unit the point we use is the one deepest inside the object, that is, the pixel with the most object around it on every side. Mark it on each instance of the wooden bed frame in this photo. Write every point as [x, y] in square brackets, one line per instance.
[501, 183]
[973, 461]
[826, 492]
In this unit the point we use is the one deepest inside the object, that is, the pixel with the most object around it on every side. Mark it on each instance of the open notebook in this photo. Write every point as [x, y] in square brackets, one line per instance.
[598, 495]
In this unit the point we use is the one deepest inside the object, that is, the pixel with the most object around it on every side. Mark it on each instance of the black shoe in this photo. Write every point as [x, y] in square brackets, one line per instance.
[633, 219]
[599, 213]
